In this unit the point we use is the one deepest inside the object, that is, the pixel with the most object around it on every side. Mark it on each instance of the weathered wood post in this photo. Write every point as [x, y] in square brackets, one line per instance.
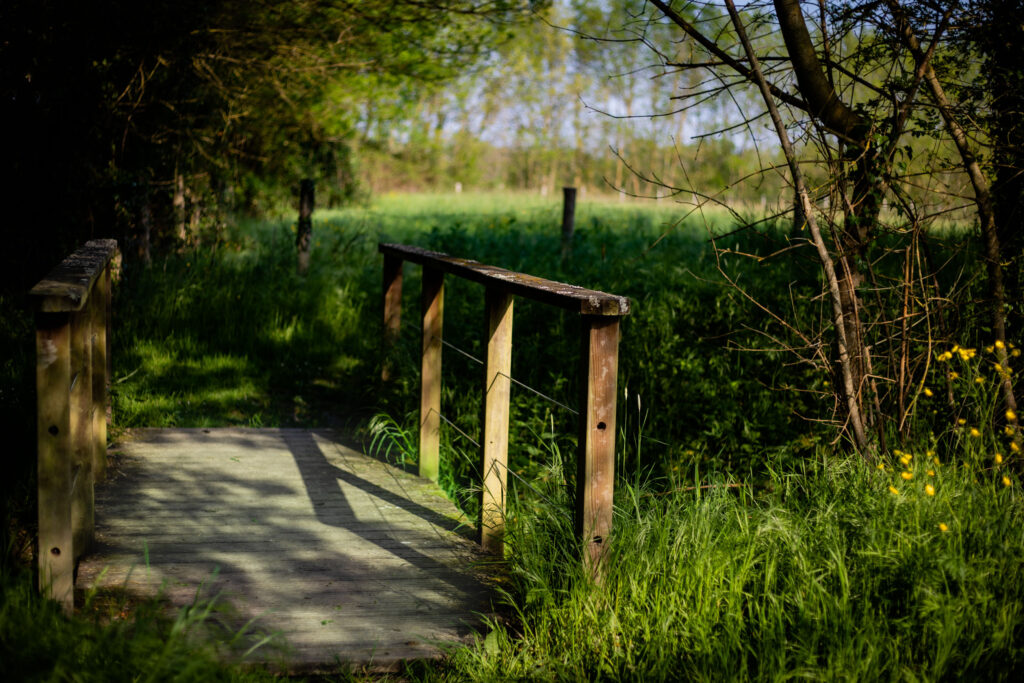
[53, 379]
[430, 387]
[392, 291]
[568, 220]
[595, 459]
[494, 441]
[82, 496]
[304, 234]
[72, 361]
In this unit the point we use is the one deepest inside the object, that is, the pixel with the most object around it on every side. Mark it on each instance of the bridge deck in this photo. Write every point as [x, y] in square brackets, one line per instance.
[344, 557]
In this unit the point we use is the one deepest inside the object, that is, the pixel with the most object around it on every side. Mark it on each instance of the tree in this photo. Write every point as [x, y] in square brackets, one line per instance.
[857, 87]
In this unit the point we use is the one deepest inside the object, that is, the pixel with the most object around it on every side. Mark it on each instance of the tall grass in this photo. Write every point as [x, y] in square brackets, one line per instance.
[816, 573]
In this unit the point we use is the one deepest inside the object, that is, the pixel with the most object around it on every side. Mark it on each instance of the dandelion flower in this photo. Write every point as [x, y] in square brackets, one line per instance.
[1000, 344]
[930, 490]
[931, 473]
[1011, 416]
[942, 527]
[998, 458]
[974, 432]
[928, 392]
[907, 475]
[894, 491]
[1006, 481]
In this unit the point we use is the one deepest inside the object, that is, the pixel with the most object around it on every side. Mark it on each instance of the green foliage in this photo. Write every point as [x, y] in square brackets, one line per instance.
[817, 571]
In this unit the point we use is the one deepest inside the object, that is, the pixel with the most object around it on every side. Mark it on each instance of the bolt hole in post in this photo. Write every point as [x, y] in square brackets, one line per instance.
[55, 551]
[53, 430]
[598, 368]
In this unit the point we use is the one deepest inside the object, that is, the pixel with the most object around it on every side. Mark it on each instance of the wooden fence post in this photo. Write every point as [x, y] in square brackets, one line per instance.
[98, 409]
[392, 311]
[430, 373]
[53, 379]
[494, 441]
[595, 459]
[304, 234]
[82, 493]
[568, 220]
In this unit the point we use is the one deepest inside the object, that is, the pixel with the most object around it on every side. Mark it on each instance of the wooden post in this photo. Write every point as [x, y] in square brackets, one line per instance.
[595, 459]
[392, 311]
[494, 444]
[108, 295]
[304, 234]
[99, 348]
[568, 220]
[82, 493]
[53, 378]
[430, 373]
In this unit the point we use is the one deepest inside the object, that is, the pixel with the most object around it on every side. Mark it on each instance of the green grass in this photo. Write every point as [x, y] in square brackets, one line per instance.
[808, 568]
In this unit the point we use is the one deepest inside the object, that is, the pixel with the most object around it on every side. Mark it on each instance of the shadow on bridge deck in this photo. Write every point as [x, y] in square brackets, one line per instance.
[343, 557]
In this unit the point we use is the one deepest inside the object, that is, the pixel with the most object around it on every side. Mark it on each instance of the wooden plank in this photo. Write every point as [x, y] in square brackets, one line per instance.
[67, 287]
[595, 460]
[392, 311]
[430, 373]
[53, 376]
[82, 443]
[571, 297]
[494, 442]
[345, 556]
[98, 353]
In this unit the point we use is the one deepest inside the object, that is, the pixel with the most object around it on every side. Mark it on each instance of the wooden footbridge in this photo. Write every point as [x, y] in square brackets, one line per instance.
[338, 557]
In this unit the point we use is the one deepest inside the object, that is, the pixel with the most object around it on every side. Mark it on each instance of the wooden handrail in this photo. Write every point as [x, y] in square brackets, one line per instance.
[72, 375]
[598, 367]
[578, 299]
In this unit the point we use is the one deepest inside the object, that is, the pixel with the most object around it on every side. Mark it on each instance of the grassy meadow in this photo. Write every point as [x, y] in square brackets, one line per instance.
[747, 545]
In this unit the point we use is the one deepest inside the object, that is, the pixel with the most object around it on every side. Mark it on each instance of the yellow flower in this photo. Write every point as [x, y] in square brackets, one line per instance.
[944, 356]
[907, 475]
[974, 432]
[1006, 481]
[930, 453]
[881, 466]
[979, 380]
[936, 461]
[897, 452]
[928, 392]
[1000, 344]
[930, 490]
[961, 421]
[931, 473]
[988, 349]
[998, 458]
[1014, 447]
[894, 491]
[1008, 430]
[1011, 416]
[942, 527]
[905, 460]
[956, 347]
[999, 368]
[1015, 353]
[954, 375]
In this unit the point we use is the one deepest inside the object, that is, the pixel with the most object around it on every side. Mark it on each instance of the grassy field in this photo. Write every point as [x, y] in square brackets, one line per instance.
[747, 546]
